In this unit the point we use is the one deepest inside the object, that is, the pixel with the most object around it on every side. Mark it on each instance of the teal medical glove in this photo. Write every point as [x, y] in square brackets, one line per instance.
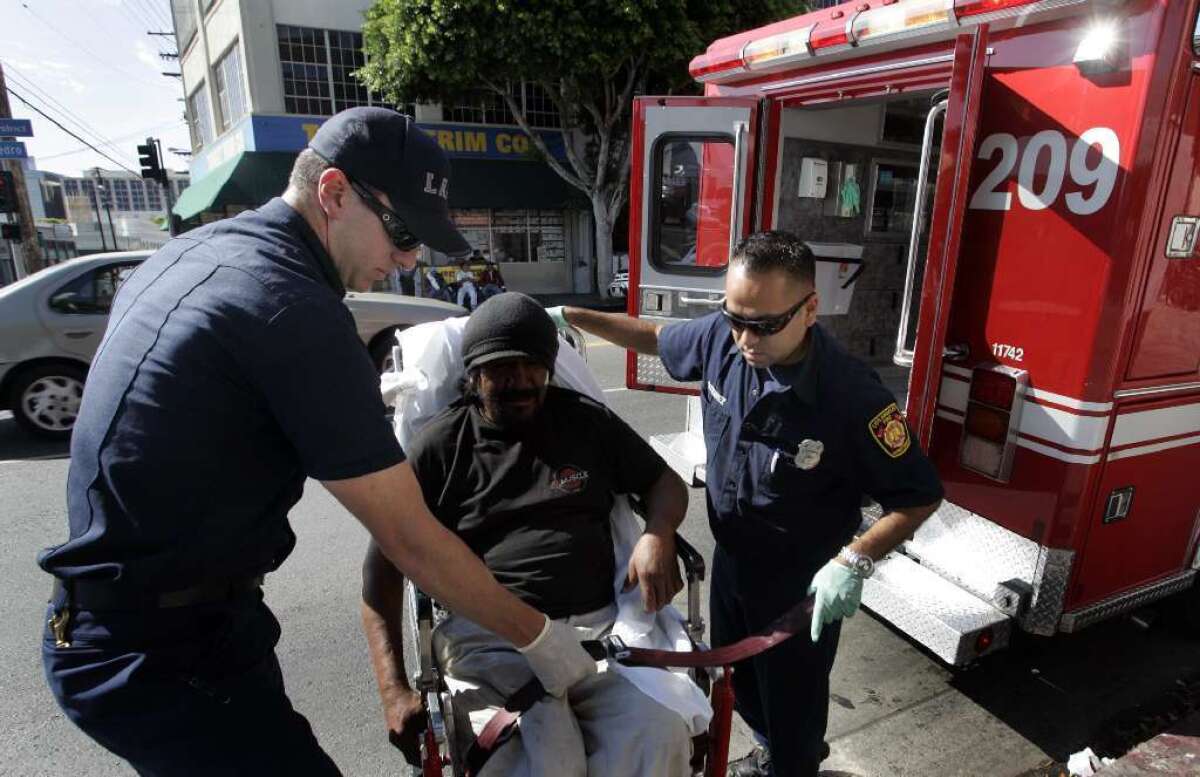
[837, 591]
[558, 316]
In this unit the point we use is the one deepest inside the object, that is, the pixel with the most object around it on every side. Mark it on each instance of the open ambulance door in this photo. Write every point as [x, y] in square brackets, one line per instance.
[691, 185]
[925, 311]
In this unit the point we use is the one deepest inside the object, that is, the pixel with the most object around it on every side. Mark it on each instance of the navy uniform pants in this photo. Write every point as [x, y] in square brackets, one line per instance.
[782, 693]
[184, 691]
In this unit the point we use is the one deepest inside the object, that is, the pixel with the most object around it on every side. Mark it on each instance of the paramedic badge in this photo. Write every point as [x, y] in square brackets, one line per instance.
[890, 431]
[808, 455]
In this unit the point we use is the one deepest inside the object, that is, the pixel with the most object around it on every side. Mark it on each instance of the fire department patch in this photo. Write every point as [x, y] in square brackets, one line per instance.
[890, 431]
[569, 480]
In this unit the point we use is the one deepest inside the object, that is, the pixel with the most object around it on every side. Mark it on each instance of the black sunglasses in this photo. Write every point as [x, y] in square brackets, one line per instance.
[764, 327]
[401, 237]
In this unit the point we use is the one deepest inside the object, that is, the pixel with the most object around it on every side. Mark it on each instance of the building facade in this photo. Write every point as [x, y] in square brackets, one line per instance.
[115, 210]
[260, 76]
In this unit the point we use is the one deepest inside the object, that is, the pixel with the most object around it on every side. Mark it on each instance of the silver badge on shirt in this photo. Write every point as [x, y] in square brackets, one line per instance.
[808, 454]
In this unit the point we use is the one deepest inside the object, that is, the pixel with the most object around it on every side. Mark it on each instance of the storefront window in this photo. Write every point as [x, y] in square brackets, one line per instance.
[512, 236]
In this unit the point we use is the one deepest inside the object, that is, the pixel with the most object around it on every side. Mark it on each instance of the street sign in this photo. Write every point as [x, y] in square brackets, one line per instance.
[16, 128]
[12, 149]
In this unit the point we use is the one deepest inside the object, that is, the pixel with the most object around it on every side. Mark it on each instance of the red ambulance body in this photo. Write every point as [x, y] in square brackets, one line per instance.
[1002, 196]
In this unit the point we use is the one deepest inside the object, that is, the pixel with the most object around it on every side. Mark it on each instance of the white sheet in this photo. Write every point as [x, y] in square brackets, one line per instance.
[430, 381]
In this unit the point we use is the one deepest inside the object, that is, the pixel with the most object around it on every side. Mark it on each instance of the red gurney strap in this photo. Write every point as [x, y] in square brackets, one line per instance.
[500, 727]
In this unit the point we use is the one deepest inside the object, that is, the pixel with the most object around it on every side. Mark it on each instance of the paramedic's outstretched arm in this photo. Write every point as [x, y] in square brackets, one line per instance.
[653, 564]
[617, 328]
[382, 617]
[390, 505]
[886, 534]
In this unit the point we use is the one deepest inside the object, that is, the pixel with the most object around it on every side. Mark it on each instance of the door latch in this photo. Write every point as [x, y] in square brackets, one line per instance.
[1181, 242]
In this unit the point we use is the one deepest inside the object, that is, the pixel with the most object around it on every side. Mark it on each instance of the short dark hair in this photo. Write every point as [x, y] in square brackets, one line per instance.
[776, 250]
[306, 172]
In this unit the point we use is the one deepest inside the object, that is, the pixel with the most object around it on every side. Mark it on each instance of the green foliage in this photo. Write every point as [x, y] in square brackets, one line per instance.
[431, 50]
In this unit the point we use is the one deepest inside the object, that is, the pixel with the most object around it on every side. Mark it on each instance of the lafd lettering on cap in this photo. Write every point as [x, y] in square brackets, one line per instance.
[442, 191]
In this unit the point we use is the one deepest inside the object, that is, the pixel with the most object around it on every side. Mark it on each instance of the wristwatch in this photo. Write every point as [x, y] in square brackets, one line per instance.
[862, 564]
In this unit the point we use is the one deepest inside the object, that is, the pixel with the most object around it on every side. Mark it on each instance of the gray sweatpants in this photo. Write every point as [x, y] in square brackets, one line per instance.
[605, 727]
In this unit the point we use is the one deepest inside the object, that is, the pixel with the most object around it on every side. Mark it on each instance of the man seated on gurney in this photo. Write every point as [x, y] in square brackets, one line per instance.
[525, 473]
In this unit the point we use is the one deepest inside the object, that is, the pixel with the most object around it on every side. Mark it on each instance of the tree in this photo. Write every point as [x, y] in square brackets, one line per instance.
[589, 56]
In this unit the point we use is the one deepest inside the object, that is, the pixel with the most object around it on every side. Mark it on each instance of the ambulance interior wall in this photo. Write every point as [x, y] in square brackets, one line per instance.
[849, 136]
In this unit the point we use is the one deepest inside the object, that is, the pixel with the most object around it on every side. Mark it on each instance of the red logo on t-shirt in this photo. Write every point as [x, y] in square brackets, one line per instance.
[569, 479]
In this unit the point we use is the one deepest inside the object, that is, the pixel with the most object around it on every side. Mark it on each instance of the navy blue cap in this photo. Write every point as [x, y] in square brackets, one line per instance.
[507, 326]
[387, 151]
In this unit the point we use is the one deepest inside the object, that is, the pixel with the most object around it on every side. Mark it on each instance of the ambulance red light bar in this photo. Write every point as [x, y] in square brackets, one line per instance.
[975, 7]
[993, 418]
[849, 26]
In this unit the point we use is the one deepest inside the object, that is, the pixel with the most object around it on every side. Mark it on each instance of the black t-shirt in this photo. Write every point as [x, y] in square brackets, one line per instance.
[230, 370]
[535, 506]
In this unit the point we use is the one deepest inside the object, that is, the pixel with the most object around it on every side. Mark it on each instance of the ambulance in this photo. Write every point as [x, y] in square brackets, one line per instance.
[1003, 199]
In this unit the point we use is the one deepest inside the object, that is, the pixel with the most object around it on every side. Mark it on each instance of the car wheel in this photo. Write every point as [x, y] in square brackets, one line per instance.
[381, 349]
[46, 399]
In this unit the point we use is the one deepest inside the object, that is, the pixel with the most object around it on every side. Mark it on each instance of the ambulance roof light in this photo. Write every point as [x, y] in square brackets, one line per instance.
[901, 19]
[847, 26]
[963, 8]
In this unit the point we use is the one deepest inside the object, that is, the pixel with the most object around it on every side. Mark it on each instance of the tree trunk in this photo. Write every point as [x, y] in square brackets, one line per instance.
[603, 268]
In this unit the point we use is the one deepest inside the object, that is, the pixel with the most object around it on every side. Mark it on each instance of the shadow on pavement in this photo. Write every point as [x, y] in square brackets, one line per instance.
[1108, 687]
[18, 445]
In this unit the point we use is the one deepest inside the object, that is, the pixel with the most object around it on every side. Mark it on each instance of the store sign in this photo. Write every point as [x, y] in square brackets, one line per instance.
[12, 149]
[16, 128]
[470, 141]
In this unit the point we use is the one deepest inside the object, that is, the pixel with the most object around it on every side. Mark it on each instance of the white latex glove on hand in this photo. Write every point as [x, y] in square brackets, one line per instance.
[558, 316]
[837, 593]
[557, 658]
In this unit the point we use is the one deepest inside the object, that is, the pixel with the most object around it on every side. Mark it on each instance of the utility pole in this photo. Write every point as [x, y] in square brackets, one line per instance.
[99, 222]
[107, 207]
[31, 254]
[167, 188]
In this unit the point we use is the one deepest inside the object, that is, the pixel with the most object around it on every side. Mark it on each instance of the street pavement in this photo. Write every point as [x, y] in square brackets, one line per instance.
[894, 710]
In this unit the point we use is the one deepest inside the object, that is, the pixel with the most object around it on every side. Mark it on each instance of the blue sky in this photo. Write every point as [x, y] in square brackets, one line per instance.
[93, 59]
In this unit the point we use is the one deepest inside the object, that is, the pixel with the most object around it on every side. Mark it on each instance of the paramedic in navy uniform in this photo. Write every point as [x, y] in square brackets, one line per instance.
[796, 431]
[229, 373]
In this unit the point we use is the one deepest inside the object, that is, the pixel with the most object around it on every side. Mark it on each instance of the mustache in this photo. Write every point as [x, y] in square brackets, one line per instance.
[516, 395]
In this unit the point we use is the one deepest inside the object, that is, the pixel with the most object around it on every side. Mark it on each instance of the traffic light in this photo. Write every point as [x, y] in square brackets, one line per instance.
[10, 231]
[151, 168]
[8, 193]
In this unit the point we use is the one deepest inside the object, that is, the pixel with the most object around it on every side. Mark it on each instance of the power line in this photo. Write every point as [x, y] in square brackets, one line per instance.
[55, 122]
[156, 12]
[142, 23]
[52, 104]
[88, 51]
[130, 136]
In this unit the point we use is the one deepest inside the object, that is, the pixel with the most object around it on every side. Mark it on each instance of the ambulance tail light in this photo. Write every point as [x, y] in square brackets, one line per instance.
[993, 419]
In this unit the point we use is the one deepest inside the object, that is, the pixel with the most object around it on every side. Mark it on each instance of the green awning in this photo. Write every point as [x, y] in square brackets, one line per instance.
[493, 183]
[247, 180]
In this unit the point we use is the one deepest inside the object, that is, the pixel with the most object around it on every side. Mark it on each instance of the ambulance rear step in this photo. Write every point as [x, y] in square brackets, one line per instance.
[955, 625]
[684, 451]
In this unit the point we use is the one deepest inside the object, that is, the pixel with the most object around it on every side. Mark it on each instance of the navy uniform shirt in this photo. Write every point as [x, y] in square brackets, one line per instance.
[534, 504]
[831, 408]
[229, 372]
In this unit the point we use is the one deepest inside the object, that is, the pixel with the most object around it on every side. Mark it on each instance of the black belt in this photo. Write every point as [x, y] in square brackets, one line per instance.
[105, 595]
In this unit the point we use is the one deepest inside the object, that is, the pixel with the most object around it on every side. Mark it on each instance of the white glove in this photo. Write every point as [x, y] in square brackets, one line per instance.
[558, 315]
[557, 658]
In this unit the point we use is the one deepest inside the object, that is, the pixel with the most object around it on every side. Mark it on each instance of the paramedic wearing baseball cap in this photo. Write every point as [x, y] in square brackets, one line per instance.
[796, 431]
[229, 373]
